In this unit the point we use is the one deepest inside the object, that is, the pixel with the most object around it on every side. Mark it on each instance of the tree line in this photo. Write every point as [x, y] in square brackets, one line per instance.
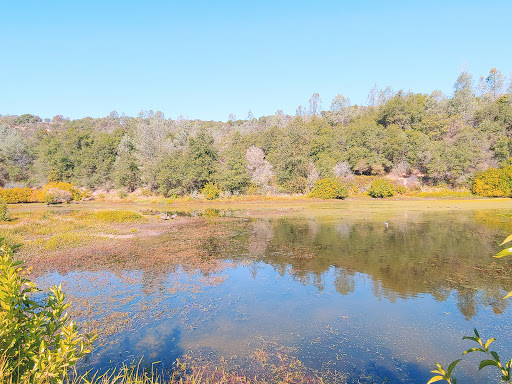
[439, 139]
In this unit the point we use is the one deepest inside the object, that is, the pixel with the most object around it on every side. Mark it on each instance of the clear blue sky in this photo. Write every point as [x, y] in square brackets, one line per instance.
[207, 59]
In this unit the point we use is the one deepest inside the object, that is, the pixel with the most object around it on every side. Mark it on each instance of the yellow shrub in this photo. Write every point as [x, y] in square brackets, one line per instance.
[493, 183]
[16, 195]
[329, 188]
[210, 191]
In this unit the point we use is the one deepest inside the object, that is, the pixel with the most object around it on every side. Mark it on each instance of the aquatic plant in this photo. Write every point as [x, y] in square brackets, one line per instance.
[492, 358]
[39, 342]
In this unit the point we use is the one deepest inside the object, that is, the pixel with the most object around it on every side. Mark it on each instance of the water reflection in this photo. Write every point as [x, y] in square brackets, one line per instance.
[434, 255]
[347, 293]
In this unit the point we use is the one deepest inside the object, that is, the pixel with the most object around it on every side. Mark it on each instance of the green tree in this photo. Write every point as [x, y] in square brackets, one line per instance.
[201, 157]
[126, 172]
[234, 174]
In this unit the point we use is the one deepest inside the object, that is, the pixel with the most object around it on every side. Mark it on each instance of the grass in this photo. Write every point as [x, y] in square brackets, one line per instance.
[268, 367]
[53, 229]
[117, 216]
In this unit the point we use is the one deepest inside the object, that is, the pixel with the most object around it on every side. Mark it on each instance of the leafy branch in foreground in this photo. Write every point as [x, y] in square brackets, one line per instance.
[494, 359]
[38, 341]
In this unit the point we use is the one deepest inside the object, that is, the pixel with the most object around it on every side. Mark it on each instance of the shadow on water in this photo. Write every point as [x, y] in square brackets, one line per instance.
[345, 293]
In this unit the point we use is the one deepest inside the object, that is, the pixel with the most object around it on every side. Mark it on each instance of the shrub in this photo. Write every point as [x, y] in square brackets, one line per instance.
[493, 183]
[329, 188]
[75, 193]
[399, 188]
[37, 339]
[210, 191]
[297, 185]
[357, 185]
[57, 196]
[122, 194]
[3, 210]
[381, 188]
[16, 195]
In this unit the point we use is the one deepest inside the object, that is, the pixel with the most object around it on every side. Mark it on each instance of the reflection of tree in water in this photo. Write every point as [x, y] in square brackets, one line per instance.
[431, 253]
[344, 282]
[261, 235]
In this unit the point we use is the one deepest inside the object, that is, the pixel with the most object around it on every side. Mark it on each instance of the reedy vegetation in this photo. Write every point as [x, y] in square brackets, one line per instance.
[443, 140]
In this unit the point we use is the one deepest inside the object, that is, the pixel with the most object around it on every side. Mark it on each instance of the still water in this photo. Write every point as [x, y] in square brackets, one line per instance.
[340, 291]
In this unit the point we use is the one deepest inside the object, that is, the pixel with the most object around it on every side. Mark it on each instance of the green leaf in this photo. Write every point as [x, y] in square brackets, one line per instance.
[451, 366]
[495, 355]
[485, 363]
[471, 338]
[436, 378]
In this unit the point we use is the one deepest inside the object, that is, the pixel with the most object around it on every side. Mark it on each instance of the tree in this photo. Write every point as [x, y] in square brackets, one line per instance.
[293, 175]
[463, 101]
[126, 170]
[259, 168]
[495, 81]
[315, 104]
[201, 157]
[340, 106]
[234, 175]
[170, 174]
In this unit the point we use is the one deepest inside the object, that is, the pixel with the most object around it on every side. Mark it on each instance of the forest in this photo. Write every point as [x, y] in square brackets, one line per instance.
[435, 139]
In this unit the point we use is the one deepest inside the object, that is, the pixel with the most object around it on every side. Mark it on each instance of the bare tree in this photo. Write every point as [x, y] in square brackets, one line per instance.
[259, 168]
[315, 104]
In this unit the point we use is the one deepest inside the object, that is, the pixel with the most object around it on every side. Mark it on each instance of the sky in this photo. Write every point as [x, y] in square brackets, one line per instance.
[208, 59]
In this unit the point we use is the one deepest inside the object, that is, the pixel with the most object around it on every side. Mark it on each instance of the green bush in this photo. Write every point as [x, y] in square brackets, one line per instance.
[3, 210]
[210, 191]
[38, 342]
[297, 185]
[329, 188]
[381, 188]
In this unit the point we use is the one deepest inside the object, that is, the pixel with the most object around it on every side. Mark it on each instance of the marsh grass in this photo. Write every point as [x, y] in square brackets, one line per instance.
[46, 230]
[268, 367]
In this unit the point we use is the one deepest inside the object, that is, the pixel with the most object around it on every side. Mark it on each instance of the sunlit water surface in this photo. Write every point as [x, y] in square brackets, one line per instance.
[341, 292]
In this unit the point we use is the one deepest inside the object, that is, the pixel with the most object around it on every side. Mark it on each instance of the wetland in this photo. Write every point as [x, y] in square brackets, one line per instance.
[349, 291]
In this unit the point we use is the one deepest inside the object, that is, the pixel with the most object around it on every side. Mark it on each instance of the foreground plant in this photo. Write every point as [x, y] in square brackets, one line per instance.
[493, 359]
[38, 341]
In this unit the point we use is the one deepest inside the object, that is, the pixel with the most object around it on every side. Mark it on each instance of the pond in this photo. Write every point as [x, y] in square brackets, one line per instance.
[367, 294]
